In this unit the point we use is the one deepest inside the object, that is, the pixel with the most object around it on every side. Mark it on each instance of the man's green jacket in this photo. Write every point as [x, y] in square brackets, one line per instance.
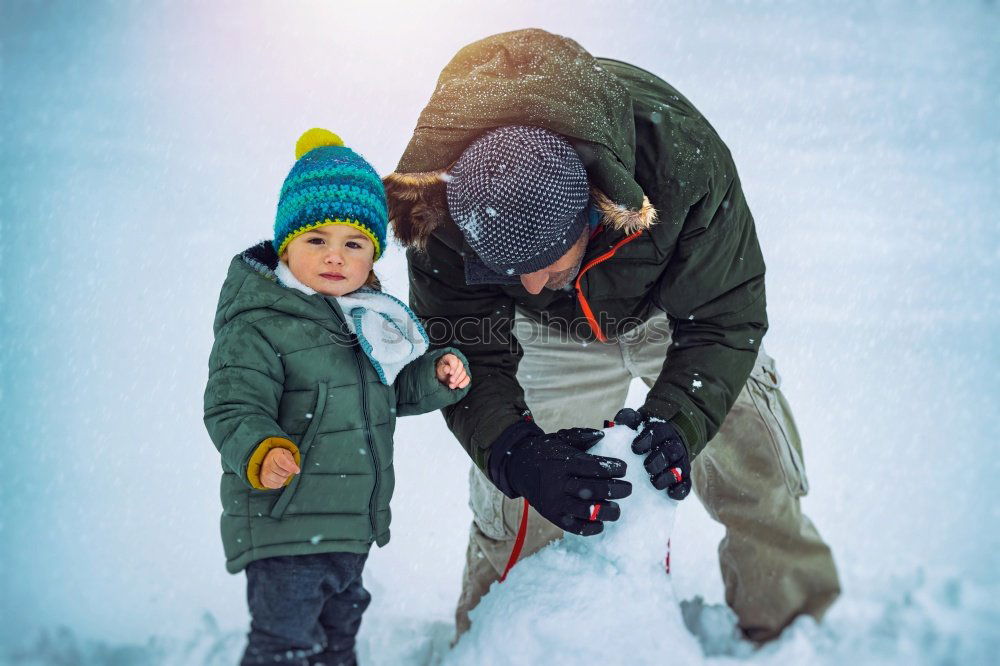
[674, 234]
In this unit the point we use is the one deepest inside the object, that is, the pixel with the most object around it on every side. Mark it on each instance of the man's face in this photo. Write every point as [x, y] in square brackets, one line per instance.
[560, 273]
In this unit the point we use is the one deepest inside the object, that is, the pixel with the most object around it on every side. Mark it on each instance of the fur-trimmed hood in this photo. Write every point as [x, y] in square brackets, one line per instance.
[418, 206]
[524, 77]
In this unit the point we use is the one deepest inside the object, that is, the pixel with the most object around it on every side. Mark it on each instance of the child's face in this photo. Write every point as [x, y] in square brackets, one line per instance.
[334, 260]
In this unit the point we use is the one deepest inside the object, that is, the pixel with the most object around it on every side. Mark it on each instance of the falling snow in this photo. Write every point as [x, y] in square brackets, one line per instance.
[866, 146]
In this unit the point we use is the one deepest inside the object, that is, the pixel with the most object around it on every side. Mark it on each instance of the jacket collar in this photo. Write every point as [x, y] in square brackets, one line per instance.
[287, 278]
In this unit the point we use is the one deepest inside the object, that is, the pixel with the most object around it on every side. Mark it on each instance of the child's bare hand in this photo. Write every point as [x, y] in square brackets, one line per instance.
[278, 465]
[451, 372]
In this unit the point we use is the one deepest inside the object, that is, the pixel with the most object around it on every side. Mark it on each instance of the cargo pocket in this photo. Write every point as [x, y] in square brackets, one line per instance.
[764, 387]
[278, 510]
[486, 502]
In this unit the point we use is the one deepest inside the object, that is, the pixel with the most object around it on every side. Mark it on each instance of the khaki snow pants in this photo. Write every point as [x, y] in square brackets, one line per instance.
[750, 477]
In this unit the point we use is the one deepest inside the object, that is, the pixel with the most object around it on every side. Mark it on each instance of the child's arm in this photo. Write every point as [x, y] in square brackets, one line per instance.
[245, 382]
[418, 389]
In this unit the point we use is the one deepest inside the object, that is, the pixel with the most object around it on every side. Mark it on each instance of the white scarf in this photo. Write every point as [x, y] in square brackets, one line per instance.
[388, 331]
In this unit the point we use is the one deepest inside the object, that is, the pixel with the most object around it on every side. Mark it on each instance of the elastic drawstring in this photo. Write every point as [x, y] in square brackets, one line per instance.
[518, 542]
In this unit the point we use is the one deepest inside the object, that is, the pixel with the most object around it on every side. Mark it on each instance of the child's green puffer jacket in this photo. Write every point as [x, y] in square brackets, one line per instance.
[286, 371]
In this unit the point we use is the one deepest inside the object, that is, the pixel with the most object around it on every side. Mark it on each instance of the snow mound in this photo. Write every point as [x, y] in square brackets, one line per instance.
[590, 599]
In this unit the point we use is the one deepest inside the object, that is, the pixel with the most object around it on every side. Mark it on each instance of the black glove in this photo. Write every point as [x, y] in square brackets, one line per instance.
[557, 477]
[668, 462]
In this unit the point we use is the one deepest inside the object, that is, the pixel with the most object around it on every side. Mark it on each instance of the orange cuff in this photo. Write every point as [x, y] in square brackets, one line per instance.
[257, 459]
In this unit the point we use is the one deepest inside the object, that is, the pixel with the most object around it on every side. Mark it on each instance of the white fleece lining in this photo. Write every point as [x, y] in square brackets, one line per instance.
[287, 278]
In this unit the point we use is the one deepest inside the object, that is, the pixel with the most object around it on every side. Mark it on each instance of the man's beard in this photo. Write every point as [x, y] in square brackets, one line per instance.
[563, 279]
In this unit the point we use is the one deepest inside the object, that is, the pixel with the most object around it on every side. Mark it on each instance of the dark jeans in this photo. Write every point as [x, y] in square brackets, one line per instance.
[305, 609]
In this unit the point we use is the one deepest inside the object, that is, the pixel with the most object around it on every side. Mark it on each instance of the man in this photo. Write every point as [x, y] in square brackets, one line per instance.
[586, 207]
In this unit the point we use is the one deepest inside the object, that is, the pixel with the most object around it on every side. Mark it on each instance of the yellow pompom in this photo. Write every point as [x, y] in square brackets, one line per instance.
[316, 138]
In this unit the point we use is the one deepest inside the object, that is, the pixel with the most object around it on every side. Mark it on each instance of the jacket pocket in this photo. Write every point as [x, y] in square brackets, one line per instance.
[764, 387]
[278, 510]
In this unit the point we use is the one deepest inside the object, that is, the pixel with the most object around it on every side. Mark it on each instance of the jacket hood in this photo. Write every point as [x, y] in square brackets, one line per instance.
[525, 77]
[252, 284]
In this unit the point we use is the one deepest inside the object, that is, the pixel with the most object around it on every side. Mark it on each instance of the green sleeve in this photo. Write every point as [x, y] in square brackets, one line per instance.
[478, 321]
[245, 383]
[418, 390]
[713, 291]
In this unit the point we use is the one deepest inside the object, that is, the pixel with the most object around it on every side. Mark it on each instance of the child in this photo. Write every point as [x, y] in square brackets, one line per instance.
[311, 365]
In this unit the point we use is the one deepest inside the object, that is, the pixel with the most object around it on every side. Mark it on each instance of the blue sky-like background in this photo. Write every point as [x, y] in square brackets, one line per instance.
[144, 145]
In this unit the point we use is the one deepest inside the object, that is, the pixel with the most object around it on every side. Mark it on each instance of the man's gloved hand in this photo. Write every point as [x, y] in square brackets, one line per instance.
[668, 462]
[557, 477]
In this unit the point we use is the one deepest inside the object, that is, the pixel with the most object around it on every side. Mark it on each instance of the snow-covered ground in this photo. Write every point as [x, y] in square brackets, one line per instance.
[144, 143]
[601, 599]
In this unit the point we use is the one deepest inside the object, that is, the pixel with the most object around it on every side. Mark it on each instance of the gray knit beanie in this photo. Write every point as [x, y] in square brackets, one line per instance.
[519, 194]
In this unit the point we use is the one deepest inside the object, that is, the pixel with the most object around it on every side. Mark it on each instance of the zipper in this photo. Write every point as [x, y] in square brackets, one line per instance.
[584, 305]
[372, 508]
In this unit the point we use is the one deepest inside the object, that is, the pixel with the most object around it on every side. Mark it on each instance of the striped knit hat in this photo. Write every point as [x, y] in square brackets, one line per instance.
[330, 184]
